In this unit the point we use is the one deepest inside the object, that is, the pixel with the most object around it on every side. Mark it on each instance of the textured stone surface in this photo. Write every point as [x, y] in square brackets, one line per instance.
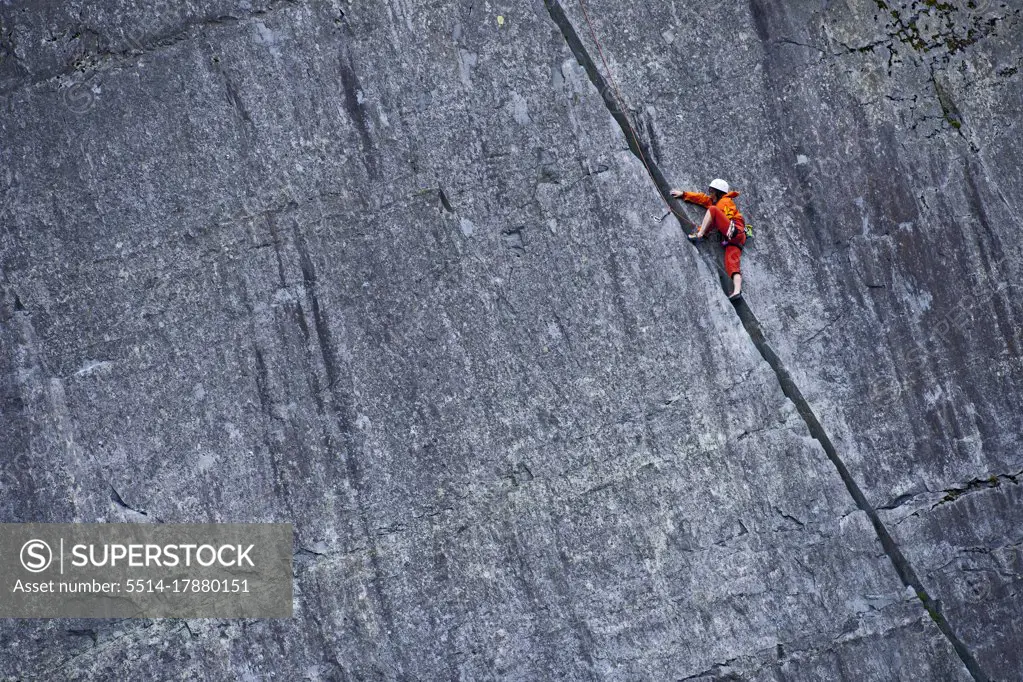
[390, 272]
[880, 153]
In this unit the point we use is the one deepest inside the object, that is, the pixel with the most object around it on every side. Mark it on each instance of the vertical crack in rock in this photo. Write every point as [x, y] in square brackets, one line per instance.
[354, 99]
[343, 408]
[444, 201]
[902, 566]
[753, 327]
[603, 87]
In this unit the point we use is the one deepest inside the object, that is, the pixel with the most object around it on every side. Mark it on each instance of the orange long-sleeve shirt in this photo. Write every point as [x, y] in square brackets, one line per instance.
[726, 204]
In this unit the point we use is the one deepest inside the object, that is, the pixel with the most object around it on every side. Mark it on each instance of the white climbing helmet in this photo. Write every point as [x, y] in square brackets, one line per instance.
[720, 185]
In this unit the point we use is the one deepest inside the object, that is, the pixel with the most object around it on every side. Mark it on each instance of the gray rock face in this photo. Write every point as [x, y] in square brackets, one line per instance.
[394, 273]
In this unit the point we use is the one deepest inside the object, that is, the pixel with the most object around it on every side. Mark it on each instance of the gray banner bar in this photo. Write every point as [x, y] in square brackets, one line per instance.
[126, 570]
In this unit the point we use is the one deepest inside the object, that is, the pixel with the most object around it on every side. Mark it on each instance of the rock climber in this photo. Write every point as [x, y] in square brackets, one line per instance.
[723, 215]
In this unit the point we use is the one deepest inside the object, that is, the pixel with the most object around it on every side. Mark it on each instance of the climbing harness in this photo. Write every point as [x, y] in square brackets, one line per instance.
[733, 231]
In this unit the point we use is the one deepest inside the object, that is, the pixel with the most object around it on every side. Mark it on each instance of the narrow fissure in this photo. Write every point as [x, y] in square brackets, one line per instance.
[753, 327]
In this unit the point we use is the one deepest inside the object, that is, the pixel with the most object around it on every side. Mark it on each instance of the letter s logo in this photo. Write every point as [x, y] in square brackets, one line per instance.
[36, 556]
